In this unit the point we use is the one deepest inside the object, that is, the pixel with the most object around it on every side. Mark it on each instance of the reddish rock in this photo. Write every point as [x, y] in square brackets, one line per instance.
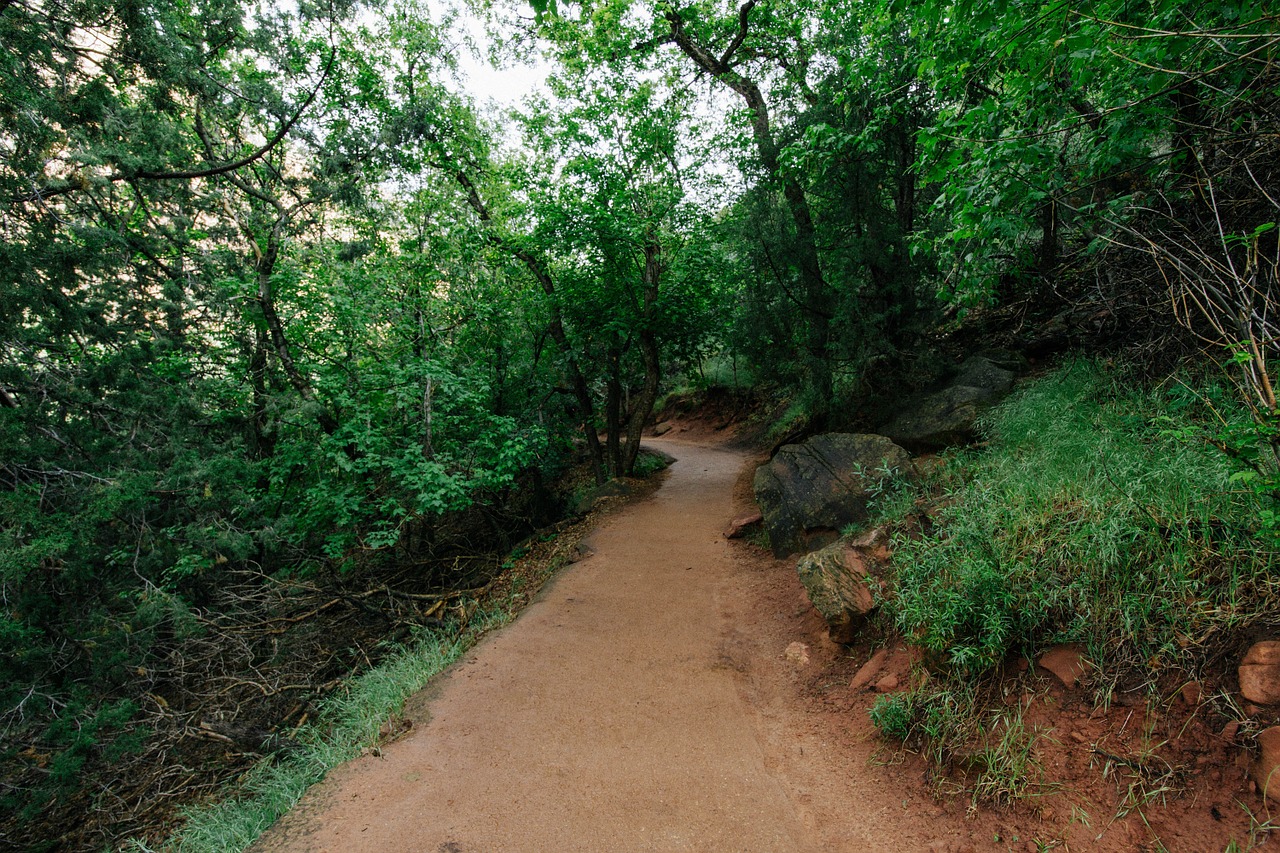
[887, 684]
[835, 579]
[1190, 693]
[742, 524]
[869, 670]
[1260, 673]
[798, 653]
[1230, 730]
[1066, 662]
[1265, 771]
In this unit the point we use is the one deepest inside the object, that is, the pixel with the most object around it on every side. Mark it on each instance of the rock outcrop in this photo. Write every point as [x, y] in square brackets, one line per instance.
[742, 525]
[809, 491]
[1266, 767]
[1066, 662]
[947, 416]
[837, 580]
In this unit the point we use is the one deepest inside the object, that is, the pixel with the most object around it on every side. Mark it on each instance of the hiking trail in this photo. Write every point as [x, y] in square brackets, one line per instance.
[653, 697]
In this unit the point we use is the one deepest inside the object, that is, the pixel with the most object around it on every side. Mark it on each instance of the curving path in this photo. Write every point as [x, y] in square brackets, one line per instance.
[643, 702]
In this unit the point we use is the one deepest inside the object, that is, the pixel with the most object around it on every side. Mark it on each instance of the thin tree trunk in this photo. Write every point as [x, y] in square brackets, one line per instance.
[613, 407]
[649, 353]
[280, 343]
[814, 286]
[259, 439]
[427, 450]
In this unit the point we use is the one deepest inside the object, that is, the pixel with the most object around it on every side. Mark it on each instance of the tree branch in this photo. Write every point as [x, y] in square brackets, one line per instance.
[42, 193]
[257, 155]
[743, 13]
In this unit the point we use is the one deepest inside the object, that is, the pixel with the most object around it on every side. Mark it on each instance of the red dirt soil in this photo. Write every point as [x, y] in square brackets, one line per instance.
[674, 691]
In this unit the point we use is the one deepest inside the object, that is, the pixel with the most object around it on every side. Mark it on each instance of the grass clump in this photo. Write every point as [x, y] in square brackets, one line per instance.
[1100, 513]
[993, 747]
[1088, 520]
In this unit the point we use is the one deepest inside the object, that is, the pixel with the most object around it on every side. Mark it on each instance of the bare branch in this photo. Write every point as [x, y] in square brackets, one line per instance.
[743, 13]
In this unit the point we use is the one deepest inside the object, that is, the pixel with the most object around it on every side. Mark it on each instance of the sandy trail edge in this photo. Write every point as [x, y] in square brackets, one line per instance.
[642, 702]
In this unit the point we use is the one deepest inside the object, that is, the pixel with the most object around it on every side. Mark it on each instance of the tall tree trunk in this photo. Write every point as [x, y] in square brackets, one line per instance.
[613, 406]
[651, 278]
[555, 326]
[261, 442]
[816, 293]
[265, 268]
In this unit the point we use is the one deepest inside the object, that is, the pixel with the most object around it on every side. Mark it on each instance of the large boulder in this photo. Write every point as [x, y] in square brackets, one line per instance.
[836, 579]
[946, 417]
[809, 491]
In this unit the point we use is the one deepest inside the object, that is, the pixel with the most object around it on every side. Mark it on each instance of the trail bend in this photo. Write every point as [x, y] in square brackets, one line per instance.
[643, 702]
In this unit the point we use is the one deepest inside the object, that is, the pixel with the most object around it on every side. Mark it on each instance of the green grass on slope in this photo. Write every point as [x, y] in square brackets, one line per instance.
[1094, 516]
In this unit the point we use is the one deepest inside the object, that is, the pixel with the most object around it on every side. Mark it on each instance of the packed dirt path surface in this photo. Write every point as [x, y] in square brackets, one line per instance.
[647, 700]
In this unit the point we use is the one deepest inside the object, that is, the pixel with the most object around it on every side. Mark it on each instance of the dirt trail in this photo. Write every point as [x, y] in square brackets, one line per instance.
[645, 701]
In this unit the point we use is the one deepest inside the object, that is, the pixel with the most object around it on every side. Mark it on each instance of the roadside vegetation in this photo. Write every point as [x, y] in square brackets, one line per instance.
[1101, 513]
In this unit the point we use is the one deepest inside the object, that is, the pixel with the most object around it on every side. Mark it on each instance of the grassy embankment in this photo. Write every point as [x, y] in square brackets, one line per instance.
[1100, 512]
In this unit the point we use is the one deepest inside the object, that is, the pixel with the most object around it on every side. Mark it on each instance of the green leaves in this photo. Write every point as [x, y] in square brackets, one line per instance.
[1055, 120]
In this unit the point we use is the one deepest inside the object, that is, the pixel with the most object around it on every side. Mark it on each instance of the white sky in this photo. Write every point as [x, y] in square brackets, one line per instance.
[505, 87]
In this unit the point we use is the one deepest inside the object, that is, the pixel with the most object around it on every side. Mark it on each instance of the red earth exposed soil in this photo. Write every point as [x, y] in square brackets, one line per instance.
[675, 691]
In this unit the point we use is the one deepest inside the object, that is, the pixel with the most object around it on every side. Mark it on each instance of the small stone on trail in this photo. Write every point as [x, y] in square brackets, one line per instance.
[798, 653]
[869, 670]
[1190, 693]
[1260, 673]
[742, 524]
[887, 684]
[1230, 730]
[1066, 662]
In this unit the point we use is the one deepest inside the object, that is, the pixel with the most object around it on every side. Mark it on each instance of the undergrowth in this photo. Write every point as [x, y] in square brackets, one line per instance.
[1099, 513]
[348, 726]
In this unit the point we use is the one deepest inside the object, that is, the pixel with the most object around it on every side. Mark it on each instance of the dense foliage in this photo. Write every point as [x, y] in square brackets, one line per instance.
[278, 300]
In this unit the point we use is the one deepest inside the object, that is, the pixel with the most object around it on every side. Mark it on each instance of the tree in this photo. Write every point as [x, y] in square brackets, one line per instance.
[831, 202]
[610, 210]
